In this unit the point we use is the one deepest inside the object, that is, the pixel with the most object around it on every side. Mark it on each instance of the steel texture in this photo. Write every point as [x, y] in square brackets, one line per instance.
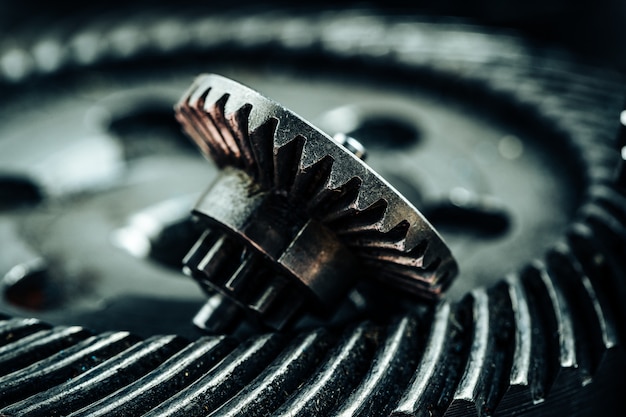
[545, 341]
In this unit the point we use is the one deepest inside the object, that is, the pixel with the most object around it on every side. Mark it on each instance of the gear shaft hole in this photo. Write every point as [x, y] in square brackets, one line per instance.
[385, 131]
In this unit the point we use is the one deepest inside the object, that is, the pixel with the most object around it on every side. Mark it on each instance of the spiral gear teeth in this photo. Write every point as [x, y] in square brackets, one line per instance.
[471, 383]
[422, 397]
[552, 321]
[279, 380]
[598, 333]
[606, 284]
[563, 315]
[427, 283]
[335, 377]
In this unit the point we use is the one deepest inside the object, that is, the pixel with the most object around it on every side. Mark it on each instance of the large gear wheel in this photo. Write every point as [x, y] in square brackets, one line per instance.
[307, 209]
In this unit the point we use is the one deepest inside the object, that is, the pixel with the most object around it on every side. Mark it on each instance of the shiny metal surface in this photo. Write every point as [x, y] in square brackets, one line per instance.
[548, 340]
[290, 201]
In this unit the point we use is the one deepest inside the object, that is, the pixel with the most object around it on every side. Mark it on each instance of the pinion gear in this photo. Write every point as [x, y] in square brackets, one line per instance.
[294, 216]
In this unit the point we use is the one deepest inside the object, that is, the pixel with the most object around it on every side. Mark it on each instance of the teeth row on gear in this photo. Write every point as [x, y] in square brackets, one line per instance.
[240, 273]
[318, 179]
[531, 342]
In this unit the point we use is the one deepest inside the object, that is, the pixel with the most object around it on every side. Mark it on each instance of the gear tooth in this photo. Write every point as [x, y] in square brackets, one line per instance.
[420, 228]
[362, 221]
[247, 269]
[201, 83]
[434, 252]
[208, 132]
[291, 125]
[420, 250]
[215, 135]
[257, 116]
[418, 281]
[186, 119]
[414, 258]
[193, 88]
[278, 304]
[394, 239]
[262, 142]
[193, 124]
[287, 162]
[339, 177]
[366, 200]
[319, 201]
[339, 202]
[198, 97]
[238, 122]
[265, 299]
[210, 96]
[311, 180]
[220, 259]
[234, 103]
[390, 221]
[224, 130]
[196, 253]
[315, 147]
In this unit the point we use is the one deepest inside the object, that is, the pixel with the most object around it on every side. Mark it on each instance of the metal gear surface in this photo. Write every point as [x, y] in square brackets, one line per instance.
[293, 188]
[547, 340]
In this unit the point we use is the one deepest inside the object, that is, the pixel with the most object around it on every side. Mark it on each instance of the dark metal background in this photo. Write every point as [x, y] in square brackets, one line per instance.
[547, 339]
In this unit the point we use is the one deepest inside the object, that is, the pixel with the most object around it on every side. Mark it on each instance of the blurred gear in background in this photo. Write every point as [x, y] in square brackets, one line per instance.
[500, 124]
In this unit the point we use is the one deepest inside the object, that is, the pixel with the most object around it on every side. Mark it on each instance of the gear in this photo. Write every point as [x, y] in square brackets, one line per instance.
[301, 211]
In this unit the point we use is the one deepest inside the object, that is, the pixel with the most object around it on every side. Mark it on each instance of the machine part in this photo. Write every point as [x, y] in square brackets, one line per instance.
[295, 218]
[548, 340]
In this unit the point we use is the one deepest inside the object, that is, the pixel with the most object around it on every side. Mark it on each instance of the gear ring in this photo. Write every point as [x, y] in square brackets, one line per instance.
[276, 164]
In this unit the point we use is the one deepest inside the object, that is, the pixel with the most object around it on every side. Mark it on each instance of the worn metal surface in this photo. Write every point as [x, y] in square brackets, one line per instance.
[547, 340]
[291, 202]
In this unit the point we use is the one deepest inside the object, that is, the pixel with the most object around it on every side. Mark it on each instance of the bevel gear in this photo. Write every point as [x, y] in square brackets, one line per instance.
[295, 219]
